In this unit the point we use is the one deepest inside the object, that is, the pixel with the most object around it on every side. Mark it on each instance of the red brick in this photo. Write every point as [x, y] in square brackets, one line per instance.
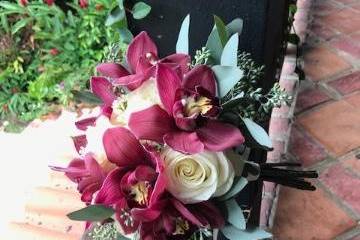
[279, 150]
[345, 20]
[324, 7]
[305, 149]
[347, 84]
[354, 100]
[288, 84]
[288, 68]
[303, 215]
[309, 98]
[347, 45]
[266, 205]
[304, 4]
[278, 126]
[320, 63]
[353, 164]
[335, 125]
[322, 31]
[346, 1]
[343, 184]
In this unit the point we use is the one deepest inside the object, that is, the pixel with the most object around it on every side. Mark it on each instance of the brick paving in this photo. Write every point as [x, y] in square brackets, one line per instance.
[325, 130]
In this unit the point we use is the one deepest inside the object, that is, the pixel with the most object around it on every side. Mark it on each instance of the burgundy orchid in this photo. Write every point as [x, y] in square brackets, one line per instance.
[188, 122]
[87, 173]
[23, 2]
[103, 89]
[141, 57]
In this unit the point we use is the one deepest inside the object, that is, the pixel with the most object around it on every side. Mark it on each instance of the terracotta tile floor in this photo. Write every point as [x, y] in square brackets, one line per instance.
[326, 134]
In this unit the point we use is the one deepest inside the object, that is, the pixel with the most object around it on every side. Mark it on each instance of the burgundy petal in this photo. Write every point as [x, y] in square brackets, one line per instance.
[159, 188]
[182, 122]
[218, 136]
[79, 142]
[85, 123]
[151, 124]
[185, 212]
[185, 142]
[120, 206]
[168, 82]
[122, 148]
[112, 70]
[139, 47]
[203, 76]
[110, 192]
[183, 60]
[145, 214]
[145, 173]
[102, 88]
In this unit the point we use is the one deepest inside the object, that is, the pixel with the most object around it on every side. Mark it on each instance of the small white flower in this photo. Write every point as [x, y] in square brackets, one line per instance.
[196, 178]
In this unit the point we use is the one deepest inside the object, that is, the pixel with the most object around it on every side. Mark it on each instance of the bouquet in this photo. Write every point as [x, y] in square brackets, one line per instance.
[168, 154]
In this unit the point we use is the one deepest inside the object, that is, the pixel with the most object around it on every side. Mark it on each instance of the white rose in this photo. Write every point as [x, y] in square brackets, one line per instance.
[197, 178]
[94, 137]
[141, 98]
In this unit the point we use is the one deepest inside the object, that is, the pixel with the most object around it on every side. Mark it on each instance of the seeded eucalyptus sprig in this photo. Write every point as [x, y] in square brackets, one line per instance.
[201, 57]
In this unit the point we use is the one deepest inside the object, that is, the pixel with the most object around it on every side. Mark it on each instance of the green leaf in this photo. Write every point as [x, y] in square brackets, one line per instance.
[258, 133]
[12, 7]
[19, 25]
[121, 237]
[141, 10]
[235, 26]
[86, 97]
[93, 213]
[229, 56]
[233, 233]
[221, 30]
[116, 15]
[235, 214]
[125, 35]
[182, 45]
[227, 77]
[235, 189]
[121, 4]
[294, 39]
[4, 23]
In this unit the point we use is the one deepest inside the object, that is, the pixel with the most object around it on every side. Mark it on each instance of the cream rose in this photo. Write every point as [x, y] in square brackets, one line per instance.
[141, 98]
[94, 137]
[197, 178]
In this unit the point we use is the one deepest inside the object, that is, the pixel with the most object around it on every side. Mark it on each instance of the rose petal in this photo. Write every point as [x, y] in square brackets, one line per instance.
[202, 76]
[112, 70]
[151, 124]
[102, 88]
[110, 192]
[168, 82]
[218, 136]
[85, 123]
[185, 142]
[122, 148]
[139, 47]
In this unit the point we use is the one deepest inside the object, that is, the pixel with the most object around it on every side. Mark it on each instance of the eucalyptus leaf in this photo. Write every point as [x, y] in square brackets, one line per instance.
[221, 30]
[121, 4]
[229, 56]
[258, 133]
[233, 233]
[141, 10]
[116, 15]
[227, 77]
[235, 214]
[19, 25]
[92, 213]
[238, 185]
[121, 237]
[125, 35]
[182, 44]
[86, 97]
[12, 7]
[234, 102]
[235, 26]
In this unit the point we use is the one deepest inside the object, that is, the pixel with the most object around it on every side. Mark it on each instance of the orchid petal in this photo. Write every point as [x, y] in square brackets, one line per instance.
[145, 173]
[80, 142]
[139, 47]
[122, 148]
[185, 212]
[102, 88]
[151, 124]
[209, 214]
[110, 192]
[120, 206]
[185, 142]
[168, 82]
[85, 123]
[145, 214]
[112, 70]
[182, 60]
[159, 188]
[218, 136]
[202, 76]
